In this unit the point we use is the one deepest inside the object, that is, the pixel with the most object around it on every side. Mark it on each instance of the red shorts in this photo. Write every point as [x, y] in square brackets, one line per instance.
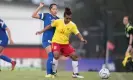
[64, 49]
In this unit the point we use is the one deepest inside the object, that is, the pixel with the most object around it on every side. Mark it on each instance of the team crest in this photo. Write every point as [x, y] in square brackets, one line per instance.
[68, 28]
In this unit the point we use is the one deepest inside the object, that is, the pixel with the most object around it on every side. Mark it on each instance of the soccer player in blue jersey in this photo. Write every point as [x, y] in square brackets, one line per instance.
[47, 36]
[4, 42]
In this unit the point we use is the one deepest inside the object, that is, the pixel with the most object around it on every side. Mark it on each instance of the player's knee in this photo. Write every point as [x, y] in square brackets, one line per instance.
[48, 49]
[56, 55]
[74, 58]
[1, 49]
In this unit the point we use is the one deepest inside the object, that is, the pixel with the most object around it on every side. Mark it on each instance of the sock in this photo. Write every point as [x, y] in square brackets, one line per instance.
[55, 65]
[5, 58]
[49, 63]
[75, 66]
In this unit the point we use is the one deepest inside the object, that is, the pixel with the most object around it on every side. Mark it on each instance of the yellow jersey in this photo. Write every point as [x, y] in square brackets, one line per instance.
[63, 31]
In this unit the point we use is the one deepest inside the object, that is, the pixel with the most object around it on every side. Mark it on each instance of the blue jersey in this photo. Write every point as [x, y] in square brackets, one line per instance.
[3, 35]
[47, 18]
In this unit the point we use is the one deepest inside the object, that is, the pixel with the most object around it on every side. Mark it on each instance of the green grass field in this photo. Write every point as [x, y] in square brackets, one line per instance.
[62, 75]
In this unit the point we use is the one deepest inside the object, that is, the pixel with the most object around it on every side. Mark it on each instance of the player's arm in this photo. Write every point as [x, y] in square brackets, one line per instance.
[131, 35]
[43, 30]
[53, 24]
[130, 43]
[130, 39]
[78, 34]
[35, 13]
[81, 38]
[3, 25]
[9, 35]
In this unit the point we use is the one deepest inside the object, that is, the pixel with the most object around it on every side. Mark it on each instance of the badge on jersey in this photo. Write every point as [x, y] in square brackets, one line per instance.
[0, 41]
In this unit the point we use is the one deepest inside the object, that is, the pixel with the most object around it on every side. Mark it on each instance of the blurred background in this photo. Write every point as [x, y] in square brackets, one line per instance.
[98, 21]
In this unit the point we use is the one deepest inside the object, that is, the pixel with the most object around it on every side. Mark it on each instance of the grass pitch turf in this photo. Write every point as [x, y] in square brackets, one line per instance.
[62, 75]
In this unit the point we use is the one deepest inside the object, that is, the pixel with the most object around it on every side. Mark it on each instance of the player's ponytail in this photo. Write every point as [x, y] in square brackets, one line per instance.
[67, 11]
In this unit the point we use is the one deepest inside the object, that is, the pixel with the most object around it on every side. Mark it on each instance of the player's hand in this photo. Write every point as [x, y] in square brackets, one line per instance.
[38, 32]
[11, 41]
[41, 5]
[83, 40]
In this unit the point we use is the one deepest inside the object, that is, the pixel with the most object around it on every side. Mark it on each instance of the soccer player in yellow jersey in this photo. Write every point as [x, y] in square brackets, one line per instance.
[60, 41]
[127, 62]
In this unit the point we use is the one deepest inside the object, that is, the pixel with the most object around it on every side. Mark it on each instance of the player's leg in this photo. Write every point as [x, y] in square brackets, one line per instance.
[56, 51]
[129, 64]
[75, 64]
[127, 57]
[55, 61]
[128, 60]
[48, 50]
[69, 51]
[49, 64]
[7, 59]
[49, 60]
[55, 65]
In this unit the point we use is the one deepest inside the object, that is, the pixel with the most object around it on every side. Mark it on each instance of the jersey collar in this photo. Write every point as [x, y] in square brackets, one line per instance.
[127, 25]
[53, 16]
[64, 22]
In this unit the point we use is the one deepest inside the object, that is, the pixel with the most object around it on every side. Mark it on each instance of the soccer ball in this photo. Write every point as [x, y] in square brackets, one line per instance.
[104, 73]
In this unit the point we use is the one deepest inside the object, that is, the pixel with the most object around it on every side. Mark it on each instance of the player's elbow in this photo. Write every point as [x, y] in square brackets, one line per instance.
[7, 29]
[33, 16]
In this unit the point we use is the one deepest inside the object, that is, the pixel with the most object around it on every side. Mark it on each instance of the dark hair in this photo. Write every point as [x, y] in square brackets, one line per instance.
[51, 5]
[67, 11]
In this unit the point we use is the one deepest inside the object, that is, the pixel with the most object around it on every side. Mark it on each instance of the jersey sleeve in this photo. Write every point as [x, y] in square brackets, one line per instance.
[42, 16]
[54, 23]
[130, 29]
[3, 25]
[75, 30]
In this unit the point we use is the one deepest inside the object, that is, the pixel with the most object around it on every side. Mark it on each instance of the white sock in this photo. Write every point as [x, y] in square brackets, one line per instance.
[55, 64]
[75, 66]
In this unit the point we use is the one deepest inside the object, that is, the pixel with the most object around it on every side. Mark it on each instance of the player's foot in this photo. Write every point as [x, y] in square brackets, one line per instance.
[13, 65]
[48, 76]
[129, 65]
[54, 74]
[77, 75]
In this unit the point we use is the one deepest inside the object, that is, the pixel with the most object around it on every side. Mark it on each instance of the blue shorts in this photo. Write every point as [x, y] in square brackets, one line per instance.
[46, 43]
[3, 42]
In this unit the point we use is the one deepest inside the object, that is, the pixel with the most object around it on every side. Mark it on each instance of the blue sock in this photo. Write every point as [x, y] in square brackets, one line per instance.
[49, 63]
[5, 58]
